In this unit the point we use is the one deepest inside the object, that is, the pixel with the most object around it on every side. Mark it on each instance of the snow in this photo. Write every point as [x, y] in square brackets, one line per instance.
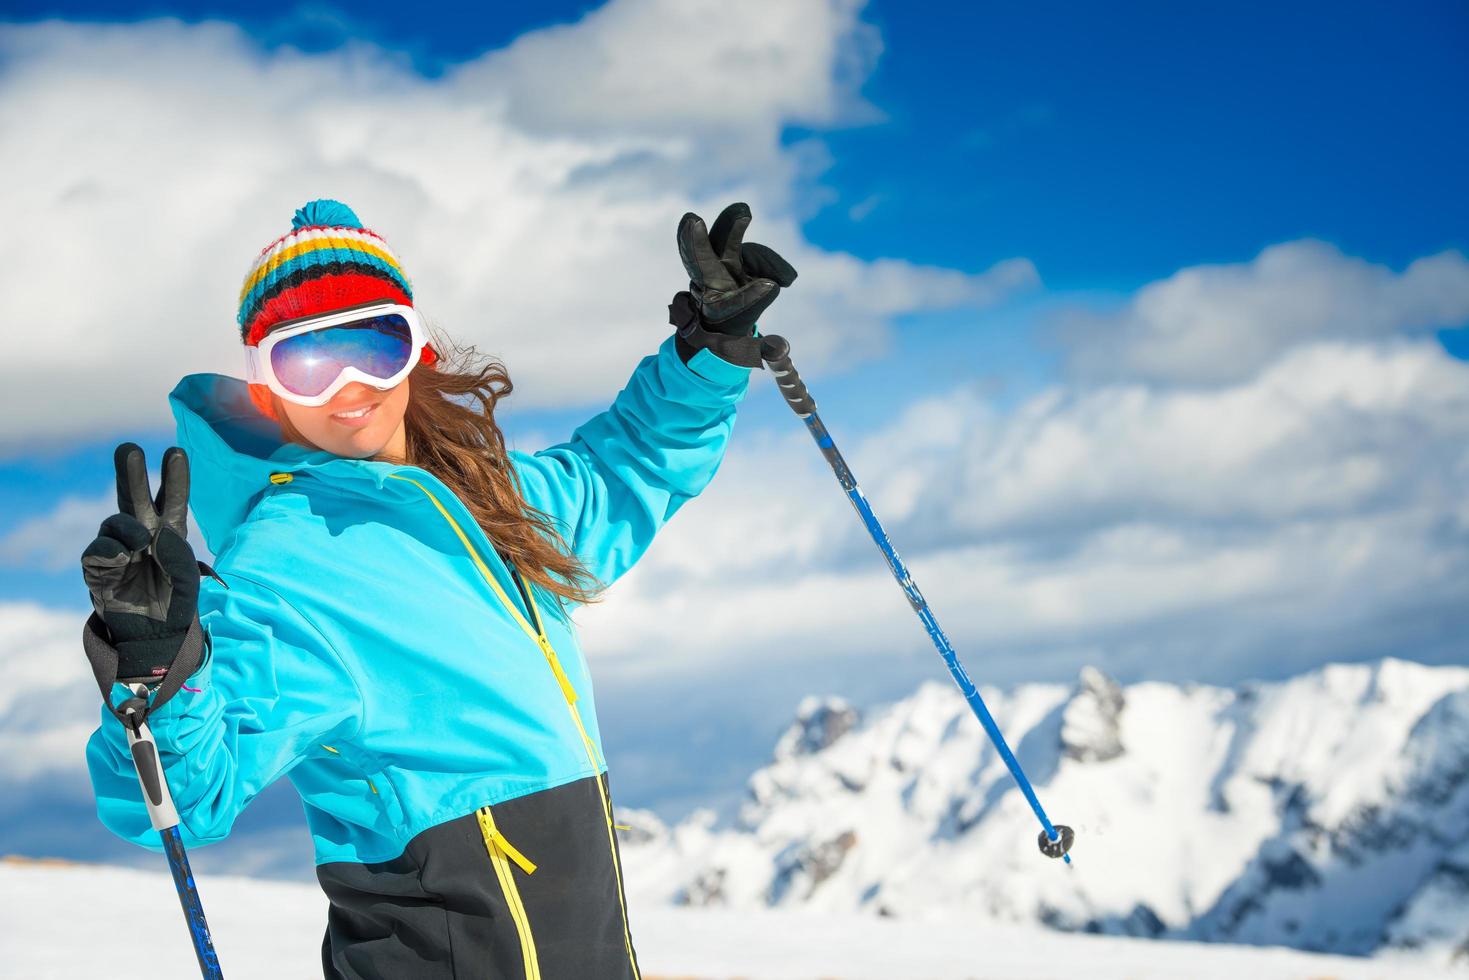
[1434, 919]
[1325, 812]
[271, 929]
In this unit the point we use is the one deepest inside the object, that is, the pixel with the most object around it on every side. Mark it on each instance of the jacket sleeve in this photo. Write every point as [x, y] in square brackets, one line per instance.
[626, 471]
[270, 690]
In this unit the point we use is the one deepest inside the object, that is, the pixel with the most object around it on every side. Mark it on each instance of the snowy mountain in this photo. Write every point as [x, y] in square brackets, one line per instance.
[1329, 812]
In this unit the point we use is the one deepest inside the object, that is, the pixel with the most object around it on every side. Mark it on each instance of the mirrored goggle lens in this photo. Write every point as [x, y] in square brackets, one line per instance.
[308, 363]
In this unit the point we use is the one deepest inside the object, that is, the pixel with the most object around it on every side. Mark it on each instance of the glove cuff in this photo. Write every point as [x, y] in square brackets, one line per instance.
[105, 659]
[692, 336]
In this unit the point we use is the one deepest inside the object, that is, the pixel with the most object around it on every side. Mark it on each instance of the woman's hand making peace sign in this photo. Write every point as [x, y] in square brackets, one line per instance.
[143, 576]
[731, 281]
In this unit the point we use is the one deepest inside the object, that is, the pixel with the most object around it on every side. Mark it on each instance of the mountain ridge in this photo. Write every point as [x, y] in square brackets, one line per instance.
[1328, 812]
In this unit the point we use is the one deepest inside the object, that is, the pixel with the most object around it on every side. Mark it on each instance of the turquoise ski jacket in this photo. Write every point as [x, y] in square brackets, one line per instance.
[372, 646]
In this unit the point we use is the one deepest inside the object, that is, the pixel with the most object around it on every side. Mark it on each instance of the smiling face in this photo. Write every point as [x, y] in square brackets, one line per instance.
[360, 422]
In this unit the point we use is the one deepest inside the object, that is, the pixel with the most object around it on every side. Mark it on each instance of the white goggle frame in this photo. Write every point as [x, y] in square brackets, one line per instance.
[258, 368]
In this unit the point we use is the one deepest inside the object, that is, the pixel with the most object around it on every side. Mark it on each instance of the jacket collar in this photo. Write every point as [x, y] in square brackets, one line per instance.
[234, 450]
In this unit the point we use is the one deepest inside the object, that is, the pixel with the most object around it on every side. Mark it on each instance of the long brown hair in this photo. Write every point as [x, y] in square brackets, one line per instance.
[451, 432]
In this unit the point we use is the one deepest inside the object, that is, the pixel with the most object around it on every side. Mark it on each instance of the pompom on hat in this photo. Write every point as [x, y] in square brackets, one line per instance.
[327, 261]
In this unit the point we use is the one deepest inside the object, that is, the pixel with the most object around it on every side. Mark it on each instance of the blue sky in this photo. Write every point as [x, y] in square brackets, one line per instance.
[1113, 144]
[1159, 450]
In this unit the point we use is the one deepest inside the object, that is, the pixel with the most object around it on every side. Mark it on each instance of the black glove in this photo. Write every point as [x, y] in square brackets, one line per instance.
[144, 581]
[731, 282]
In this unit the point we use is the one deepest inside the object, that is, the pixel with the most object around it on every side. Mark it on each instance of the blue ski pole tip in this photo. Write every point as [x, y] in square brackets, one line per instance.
[1060, 847]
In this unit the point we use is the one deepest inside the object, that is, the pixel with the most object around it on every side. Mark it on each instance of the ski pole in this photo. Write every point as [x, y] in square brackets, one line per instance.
[165, 820]
[1055, 840]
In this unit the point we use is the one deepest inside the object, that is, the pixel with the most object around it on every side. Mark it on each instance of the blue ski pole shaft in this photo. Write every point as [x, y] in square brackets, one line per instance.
[183, 880]
[1055, 839]
[165, 820]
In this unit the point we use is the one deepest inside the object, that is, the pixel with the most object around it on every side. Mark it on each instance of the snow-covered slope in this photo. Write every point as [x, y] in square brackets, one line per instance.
[74, 921]
[1328, 812]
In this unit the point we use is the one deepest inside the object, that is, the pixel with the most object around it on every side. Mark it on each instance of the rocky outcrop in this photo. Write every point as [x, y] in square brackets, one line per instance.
[819, 723]
[1091, 726]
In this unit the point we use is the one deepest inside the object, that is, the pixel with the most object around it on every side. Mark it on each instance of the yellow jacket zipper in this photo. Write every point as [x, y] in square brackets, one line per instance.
[502, 852]
[538, 634]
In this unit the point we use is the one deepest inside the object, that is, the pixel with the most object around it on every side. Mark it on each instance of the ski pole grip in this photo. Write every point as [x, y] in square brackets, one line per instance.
[776, 354]
[156, 797]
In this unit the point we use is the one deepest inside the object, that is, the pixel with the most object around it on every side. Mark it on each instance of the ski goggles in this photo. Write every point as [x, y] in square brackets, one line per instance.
[310, 360]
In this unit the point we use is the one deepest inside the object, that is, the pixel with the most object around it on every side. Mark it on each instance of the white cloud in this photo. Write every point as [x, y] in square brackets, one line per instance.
[532, 194]
[700, 66]
[1216, 324]
[1314, 510]
[1328, 430]
[49, 703]
[53, 540]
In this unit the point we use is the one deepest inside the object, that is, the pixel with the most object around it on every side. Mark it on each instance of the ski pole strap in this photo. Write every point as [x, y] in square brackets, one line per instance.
[103, 657]
[776, 352]
[744, 351]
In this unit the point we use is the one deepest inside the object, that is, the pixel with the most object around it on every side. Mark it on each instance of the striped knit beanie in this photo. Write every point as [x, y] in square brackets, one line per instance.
[327, 261]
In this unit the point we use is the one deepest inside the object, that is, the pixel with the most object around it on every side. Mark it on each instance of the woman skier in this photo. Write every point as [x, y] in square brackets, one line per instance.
[388, 620]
